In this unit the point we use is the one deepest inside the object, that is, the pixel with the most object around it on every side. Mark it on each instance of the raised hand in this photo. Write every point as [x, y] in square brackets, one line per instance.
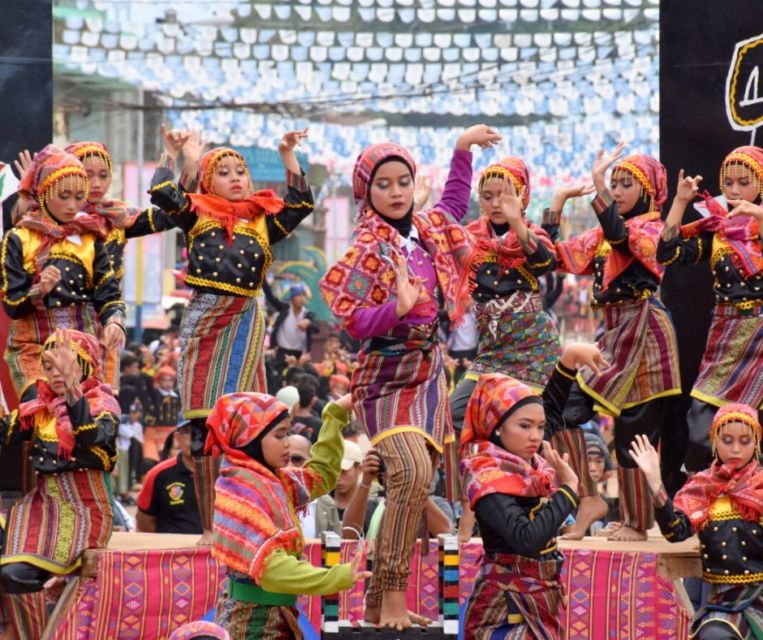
[564, 472]
[688, 187]
[648, 460]
[174, 140]
[604, 160]
[408, 289]
[23, 164]
[421, 192]
[582, 354]
[193, 148]
[479, 134]
[510, 201]
[291, 140]
[345, 402]
[49, 279]
[64, 359]
[371, 466]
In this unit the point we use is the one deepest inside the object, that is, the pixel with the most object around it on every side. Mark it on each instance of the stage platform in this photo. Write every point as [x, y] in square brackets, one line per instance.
[145, 585]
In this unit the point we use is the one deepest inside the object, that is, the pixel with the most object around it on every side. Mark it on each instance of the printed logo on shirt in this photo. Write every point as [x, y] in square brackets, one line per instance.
[175, 491]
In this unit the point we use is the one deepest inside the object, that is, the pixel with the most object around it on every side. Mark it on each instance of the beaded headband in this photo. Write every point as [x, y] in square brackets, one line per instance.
[74, 179]
[736, 416]
[83, 357]
[736, 159]
[217, 155]
[94, 150]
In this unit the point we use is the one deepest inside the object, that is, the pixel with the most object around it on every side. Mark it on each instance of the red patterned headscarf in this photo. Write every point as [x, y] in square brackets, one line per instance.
[257, 203]
[744, 486]
[751, 158]
[513, 168]
[50, 168]
[367, 163]
[99, 396]
[741, 233]
[244, 537]
[118, 214]
[486, 467]
[649, 173]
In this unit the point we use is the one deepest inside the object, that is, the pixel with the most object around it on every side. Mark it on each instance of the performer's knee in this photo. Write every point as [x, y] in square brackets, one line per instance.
[698, 449]
[717, 630]
[21, 577]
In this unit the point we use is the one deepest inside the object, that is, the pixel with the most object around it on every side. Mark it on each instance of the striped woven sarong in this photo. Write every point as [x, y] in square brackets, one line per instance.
[221, 341]
[731, 367]
[639, 343]
[65, 514]
[517, 338]
[28, 334]
[515, 598]
[402, 388]
[739, 606]
[246, 621]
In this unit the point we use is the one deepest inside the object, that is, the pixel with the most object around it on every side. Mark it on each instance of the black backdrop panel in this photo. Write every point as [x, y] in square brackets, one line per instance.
[26, 87]
[26, 76]
[697, 42]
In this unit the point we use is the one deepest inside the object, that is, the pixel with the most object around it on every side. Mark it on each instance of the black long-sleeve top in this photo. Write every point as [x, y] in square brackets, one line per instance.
[729, 283]
[216, 265]
[528, 526]
[636, 279]
[731, 548]
[94, 439]
[86, 275]
[494, 282]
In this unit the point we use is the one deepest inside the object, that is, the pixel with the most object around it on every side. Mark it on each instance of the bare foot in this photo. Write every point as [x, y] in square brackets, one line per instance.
[205, 540]
[373, 615]
[591, 508]
[608, 530]
[628, 534]
[393, 611]
[466, 525]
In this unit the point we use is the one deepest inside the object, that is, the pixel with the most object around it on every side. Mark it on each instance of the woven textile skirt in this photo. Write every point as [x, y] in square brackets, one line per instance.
[739, 606]
[515, 598]
[731, 367]
[221, 348]
[247, 621]
[516, 338]
[53, 524]
[639, 343]
[27, 335]
[400, 386]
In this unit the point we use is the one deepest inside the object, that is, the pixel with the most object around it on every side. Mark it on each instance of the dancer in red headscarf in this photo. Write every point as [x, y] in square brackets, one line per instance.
[639, 340]
[730, 238]
[229, 229]
[56, 271]
[384, 290]
[72, 425]
[723, 505]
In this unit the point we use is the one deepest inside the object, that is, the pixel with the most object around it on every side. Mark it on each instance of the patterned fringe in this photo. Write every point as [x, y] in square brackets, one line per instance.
[206, 469]
[572, 442]
[636, 509]
[26, 613]
[251, 621]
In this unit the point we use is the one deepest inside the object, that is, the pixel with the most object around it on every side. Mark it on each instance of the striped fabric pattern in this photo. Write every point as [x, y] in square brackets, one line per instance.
[245, 621]
[639, 343]
[730, 369]
[404, 389]
[75, 504]
[572, 442]
[636, 509]
[515, 598]
[735, 605]
[221, 343]
[28, 334]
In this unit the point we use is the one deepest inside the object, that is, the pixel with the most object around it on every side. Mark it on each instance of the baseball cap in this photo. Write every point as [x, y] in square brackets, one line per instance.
[288, 395]
[353, 455]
